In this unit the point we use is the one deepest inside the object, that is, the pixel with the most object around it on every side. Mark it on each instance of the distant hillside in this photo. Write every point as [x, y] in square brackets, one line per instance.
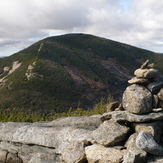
[73, 70]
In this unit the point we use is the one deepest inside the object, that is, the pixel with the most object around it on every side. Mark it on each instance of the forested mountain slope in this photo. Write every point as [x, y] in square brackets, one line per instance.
[72, 70]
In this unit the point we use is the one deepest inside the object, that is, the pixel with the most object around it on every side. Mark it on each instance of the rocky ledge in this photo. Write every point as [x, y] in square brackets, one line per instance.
[131, 132]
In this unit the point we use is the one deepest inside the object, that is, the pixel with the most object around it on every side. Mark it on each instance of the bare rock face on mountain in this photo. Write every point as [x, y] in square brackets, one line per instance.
[131, 133]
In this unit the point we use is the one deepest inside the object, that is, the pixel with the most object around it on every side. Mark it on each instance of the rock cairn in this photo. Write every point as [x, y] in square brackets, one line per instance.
[143, 104]
[130, 132]
[144, 94]
[143, 98]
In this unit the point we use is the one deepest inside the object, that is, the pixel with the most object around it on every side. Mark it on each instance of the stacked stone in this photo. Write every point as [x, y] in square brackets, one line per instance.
[145, 74]
[142, 98]
[143, 104]
[145, 93]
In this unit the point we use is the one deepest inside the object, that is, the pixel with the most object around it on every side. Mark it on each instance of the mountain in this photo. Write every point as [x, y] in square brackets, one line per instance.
[68, 71]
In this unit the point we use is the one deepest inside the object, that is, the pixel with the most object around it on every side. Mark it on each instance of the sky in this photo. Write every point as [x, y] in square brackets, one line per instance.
[134, 22]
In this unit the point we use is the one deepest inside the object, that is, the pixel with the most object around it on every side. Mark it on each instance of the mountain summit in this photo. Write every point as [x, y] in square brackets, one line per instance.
[72, 70]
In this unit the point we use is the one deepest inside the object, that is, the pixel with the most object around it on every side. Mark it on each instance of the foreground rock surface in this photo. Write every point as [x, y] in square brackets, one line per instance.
[110, 133]
[82, 140]
[63, 140]
[101, 154]
[74, 154]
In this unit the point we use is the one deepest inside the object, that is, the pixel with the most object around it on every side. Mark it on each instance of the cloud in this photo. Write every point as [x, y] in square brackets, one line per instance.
[24, 22]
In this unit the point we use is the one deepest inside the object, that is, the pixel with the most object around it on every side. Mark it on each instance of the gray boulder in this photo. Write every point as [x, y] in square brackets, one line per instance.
[48, 136]
[137, 99]
[27, 153]
[146, 142]
[7, 129]
[125, 116]
[85, 122]
[43, 158]
[55, 137]
[133, 153]
[98, 153]
[75, 153]
[110, 133]
[154, 128]
[38, 154]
